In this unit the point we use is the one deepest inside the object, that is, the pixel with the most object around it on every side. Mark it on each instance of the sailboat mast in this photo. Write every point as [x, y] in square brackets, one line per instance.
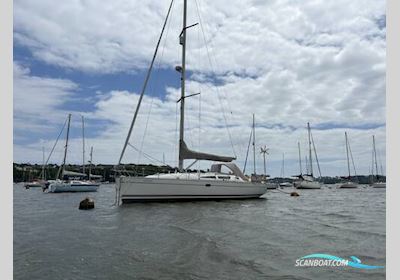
[83, 146]
[43, 176]
[347, 153]
[307, 165]
[283, 165]
[254, 145]
[90, 165]
[265, 166]
[376, 162]
[301, 168]
[309, 147]
[66, 146]
[182, 41]
[247, 153]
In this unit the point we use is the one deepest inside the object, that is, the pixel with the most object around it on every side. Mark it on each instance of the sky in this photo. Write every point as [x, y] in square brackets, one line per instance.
[287, 62]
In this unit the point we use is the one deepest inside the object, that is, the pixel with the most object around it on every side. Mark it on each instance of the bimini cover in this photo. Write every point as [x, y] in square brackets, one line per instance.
[231, 166]
[185, 153]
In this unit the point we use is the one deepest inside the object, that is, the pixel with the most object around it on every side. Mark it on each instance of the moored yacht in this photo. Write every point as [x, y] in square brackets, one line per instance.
[349, 184]
[307, 181]
[73, 186]
[183, 185]
[61, 185]
[375, 182]
[286, 185]
[379, 185]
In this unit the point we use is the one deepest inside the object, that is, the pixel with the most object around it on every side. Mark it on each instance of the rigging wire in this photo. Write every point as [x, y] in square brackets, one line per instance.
[380, 161]
[352, 160]
[144, 85]
[176, 134]
[316, 156]
[216, 64]
[247, 153]
[189, 129]
[155, 81]
[214, 72]
[151, 158]
[54, 146]
[199, 65]
[145, 130]
[198, 165]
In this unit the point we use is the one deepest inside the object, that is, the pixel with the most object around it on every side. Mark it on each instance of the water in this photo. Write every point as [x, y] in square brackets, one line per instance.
[242, 239]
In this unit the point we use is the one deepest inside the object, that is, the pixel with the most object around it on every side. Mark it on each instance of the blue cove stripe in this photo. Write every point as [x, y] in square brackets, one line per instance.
[356, 264]
[354, 258]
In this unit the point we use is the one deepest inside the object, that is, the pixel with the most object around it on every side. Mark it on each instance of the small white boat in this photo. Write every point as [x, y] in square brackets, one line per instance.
[348, 185]
[73, 186]
[307, 184]
[35, 184]
[285, 185]
[61, 185]
[272, 186]
[307, 181]
[379, 185]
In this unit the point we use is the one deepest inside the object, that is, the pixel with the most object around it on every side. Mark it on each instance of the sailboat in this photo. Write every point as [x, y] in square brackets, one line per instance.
[183, 185]
[38, 183]
[264, 151]
[349, 184]
[307, 181]
[377, 183]
[284, 184]
[61, 185]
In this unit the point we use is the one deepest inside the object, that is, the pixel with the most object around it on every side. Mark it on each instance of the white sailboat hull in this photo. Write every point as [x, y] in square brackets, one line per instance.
[307, 185]
[133, 189]
[379, 185]
[286, 185]
[272, 186]
[59, 187]
[348, 185]
[35, 185]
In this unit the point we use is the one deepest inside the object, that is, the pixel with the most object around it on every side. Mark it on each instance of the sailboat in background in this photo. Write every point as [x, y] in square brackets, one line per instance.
[307, 181]
[62, 185]
[377, 183]
[38, 183]
[284, 184]
[349, 184]
[270, 185]
[184, 185]
[264, 151]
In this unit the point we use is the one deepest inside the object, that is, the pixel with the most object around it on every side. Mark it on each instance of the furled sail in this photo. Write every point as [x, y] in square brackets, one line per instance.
[186, 153]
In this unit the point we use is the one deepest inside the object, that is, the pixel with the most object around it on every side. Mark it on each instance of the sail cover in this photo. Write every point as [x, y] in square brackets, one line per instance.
[186, 153]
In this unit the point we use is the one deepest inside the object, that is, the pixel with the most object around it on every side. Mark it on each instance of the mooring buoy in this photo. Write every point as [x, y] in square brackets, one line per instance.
[86, 204]
[294, 194]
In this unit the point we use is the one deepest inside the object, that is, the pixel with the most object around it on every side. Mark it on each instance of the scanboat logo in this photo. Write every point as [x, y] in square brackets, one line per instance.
[318, 260]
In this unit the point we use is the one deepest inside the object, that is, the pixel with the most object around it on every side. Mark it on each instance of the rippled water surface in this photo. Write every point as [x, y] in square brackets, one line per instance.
[235, 239]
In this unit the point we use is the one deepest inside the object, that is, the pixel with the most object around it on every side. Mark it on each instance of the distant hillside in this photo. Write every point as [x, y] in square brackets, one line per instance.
[23, 172]
[26, 172]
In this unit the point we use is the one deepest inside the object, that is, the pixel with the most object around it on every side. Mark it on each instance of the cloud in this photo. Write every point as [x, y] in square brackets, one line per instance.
[38, 101]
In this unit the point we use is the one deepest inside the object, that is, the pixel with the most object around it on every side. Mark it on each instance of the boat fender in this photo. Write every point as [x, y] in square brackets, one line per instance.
[294, 194]
[86, 204]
